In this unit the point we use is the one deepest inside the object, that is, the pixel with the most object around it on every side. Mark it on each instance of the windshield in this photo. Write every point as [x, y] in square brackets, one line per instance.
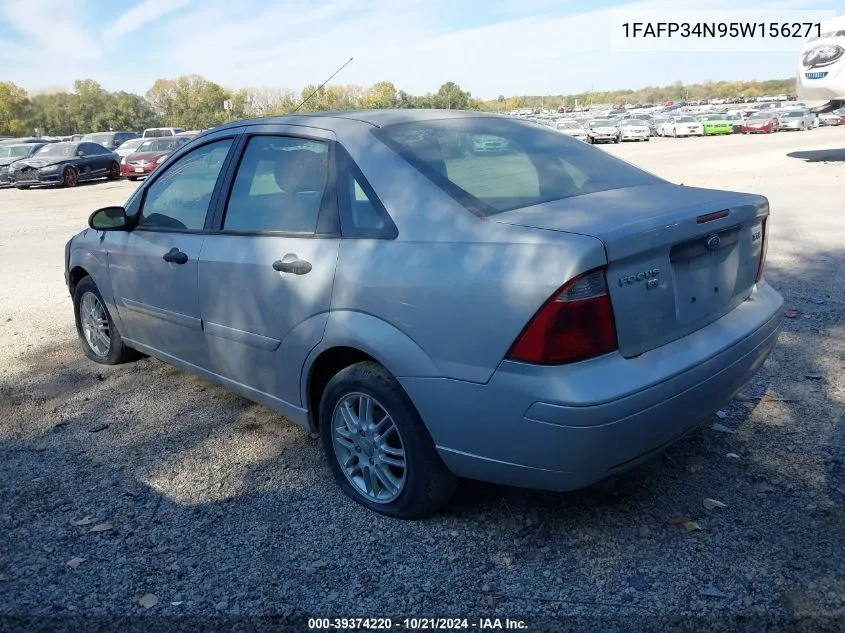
[537, 165]
[102, 139]
[633, 122]
[160, 145]
[716, 117]
[602, 122]
[568, 125]
[58, 149]
[794, 115]
[14, 151]
[686, 119]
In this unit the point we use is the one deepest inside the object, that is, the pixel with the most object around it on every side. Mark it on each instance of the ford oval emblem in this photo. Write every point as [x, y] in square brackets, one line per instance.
[713, 242]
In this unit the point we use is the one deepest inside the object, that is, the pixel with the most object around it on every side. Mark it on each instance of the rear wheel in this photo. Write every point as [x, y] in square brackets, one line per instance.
[70, 177]
[114, 171]
[98, 335]
[377, 446]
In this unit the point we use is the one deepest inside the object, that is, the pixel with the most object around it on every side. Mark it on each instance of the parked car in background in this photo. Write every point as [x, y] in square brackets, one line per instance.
[735, 119]
[111, 140]
[149, 155]
[634, 130]
[76, 137]
[715, 124]
[157, 132]
[603, 131]
[796, 120]
[829, 119]
[761, 123]
[25, 139]
[358, 315]
[11, 153]
[572, 128]
[656, 125]
[127, 147]
[683, 126]
[65, 164]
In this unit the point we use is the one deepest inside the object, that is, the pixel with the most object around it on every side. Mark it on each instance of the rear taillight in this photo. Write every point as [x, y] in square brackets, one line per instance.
[764, 250]
[576, 323]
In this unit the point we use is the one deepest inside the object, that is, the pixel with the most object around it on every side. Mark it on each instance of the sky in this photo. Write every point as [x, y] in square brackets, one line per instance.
[507, 47]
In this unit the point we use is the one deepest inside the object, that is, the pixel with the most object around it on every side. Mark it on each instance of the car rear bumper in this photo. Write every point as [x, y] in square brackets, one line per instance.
[566, 427]
[129, 171]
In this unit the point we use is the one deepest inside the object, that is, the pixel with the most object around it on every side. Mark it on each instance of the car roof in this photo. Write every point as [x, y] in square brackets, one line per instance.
[374, 118]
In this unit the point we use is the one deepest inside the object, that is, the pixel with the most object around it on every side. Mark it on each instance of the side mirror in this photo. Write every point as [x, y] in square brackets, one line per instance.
[109, 219]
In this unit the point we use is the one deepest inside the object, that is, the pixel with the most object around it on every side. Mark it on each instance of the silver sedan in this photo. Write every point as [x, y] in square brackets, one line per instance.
[545, 315]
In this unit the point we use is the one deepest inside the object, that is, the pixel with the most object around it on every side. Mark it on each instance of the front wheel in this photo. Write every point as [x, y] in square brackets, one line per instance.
[70, 177]
[618, 139]
[377, 446]
[132, 178]
[98, 335]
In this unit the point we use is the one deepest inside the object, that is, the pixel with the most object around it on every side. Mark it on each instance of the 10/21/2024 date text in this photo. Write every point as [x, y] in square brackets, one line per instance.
[800, 30]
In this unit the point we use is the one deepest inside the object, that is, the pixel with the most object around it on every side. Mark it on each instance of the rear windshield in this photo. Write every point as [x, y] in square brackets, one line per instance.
[493, 165]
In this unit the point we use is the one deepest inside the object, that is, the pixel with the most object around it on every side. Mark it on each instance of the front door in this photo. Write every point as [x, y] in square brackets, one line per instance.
[154, 267]
[265, 279]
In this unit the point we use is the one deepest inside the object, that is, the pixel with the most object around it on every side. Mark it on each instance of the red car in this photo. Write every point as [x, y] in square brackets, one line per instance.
[149, 155]
[760, 124]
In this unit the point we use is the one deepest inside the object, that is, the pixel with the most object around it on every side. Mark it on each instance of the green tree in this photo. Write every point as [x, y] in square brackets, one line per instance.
[451, 97]
[381, 95]
[15, 110]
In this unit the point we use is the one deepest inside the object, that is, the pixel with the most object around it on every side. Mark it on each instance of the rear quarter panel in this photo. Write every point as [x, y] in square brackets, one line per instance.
[458, 287]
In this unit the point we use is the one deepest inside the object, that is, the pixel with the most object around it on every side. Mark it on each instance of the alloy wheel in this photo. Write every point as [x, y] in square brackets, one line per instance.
[95, 324]
[369, 448]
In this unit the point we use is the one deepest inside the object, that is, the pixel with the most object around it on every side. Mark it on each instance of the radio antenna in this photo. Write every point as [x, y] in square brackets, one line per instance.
[302, 103]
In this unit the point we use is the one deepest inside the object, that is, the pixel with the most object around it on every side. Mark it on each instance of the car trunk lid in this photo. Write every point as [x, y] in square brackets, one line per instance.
[678, 257]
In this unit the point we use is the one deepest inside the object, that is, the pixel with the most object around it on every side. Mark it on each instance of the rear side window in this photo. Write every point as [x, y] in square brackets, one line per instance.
[492, 165]
[279, 186]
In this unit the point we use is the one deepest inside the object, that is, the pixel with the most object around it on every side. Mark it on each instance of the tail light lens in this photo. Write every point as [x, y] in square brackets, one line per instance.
[576, 323]
[764, 251]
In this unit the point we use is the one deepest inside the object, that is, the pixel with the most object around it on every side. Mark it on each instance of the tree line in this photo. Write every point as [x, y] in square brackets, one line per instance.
[193, 102]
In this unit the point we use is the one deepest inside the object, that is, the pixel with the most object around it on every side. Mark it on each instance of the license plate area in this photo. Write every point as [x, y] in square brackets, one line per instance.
[705, 272]
[139, 170]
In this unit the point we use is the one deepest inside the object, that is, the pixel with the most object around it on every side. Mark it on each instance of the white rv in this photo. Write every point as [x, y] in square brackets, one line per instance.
[821, 67]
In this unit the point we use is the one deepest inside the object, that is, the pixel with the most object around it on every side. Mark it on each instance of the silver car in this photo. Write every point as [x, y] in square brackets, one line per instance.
[572, 128]
[544, 317]
[634, 130]
[603, 131]
[797, 120]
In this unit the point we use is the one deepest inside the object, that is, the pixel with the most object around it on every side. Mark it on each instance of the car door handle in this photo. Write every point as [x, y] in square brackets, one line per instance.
[175, 256]
[290, 263]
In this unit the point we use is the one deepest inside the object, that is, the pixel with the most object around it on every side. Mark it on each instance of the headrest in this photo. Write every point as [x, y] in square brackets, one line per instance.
[300, 170]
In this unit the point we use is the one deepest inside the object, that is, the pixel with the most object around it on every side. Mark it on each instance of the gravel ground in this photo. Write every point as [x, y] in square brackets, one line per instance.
[140, 479]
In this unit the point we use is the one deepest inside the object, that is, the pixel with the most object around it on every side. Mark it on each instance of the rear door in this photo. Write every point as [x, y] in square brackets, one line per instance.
[266, 274]
[153, 268]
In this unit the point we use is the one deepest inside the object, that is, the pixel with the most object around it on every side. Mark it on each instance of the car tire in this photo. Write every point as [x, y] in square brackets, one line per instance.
[132, 178]
[21, 187]
[70, 177]
[421, 485]
[91, 315]
[618, 139]
[114, 171]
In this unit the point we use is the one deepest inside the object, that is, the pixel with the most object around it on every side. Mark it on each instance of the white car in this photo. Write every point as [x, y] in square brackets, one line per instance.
[682, 126]
[127, 147]
[572, 128]
[635, 130]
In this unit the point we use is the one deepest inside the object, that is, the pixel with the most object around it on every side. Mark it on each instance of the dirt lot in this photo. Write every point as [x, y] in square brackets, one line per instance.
[217, 507]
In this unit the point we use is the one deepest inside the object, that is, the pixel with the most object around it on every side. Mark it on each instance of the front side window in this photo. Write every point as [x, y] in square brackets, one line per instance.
[493, 165]
[179, 199]
[279, 186]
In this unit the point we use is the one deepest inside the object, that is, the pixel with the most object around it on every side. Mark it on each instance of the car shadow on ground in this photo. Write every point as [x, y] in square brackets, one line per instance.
[220, 506]
[820, 155]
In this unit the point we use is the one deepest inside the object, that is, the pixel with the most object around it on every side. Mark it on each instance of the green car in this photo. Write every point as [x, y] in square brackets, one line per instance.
[716, 124]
